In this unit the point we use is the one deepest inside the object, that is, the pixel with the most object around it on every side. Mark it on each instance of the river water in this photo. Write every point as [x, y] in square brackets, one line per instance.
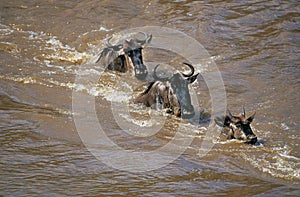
[43, 45]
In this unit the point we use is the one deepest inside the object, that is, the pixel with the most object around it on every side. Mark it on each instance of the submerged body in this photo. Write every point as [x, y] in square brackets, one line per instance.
[170, 93]
[238, 127]
[126, 57]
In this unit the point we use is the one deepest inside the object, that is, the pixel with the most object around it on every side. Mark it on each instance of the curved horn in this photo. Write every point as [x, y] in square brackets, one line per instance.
[156, 78]
[230, 115]
[192, 70]
[244, 112]
[115, 47]
[146, 40]
[108, 43]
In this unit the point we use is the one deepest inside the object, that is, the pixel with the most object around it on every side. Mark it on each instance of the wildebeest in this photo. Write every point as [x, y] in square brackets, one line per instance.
[171, 93]
[237, 127]
[127, 56]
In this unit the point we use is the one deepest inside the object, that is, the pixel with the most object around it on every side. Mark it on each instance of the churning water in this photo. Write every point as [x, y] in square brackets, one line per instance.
[43, 45]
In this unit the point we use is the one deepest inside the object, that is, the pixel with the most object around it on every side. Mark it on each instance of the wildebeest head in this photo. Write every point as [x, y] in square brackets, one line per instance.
[178, 90]
[238, 127]
[127, 56]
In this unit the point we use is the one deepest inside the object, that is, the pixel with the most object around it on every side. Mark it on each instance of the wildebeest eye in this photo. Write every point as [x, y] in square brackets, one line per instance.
[137, 51]
[238, 124]
[128, 51]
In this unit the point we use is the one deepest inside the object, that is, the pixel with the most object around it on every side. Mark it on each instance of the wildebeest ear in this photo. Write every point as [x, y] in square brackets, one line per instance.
[230, 116]
[192, 78]
[250, 119]
[125, 47]
[220, 121]
[125, 44]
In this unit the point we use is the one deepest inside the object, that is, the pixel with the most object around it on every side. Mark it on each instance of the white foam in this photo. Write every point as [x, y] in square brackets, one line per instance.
[117, 96]
[100, 29]
[284, 126]
[104, 29]
[141, 123]
[276, 162]
[88, 72]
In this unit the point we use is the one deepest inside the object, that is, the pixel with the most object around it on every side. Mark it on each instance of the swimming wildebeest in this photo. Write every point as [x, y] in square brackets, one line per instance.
[237, 127]
[171, 93]
[127, 56]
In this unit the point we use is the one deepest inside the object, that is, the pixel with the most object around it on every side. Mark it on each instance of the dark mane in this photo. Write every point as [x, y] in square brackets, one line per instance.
[148, 88]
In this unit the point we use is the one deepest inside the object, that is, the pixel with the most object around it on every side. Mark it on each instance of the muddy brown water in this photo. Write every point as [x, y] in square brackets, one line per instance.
[255, 45]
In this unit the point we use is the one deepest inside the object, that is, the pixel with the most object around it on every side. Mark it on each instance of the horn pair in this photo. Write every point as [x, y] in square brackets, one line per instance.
[166, 78]
[231, 116]
[243, 113]
[118, 47]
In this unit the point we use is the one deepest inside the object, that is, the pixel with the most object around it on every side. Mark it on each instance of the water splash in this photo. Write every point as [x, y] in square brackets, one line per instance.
[276, 162]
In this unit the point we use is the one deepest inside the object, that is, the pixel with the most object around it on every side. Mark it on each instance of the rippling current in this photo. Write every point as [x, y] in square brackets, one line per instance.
[43, 47]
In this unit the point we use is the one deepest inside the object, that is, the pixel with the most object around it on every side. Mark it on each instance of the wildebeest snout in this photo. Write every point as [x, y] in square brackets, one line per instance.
[188, 111]
[251, 139]
[140, 71]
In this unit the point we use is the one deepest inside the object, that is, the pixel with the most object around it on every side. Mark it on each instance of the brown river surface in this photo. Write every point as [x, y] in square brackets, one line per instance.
[43, 45]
